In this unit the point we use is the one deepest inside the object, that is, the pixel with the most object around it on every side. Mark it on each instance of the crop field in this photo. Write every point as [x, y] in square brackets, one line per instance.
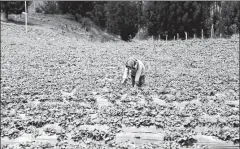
[60, 90]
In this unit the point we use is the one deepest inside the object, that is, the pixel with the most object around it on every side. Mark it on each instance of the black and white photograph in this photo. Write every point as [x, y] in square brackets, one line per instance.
[120, 74]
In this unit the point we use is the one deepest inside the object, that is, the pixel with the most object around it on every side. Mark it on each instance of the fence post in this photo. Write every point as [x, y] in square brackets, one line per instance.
[26, 15]
[220, 35]
[177, 36]
[174, 37]
[185, 35]
[194, 36]
[212, 31]
[166, 37]
[34, 6]
[202, 33]
[154, 49]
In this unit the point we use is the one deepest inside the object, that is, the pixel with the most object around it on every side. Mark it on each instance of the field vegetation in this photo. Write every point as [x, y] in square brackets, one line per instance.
[60, 89]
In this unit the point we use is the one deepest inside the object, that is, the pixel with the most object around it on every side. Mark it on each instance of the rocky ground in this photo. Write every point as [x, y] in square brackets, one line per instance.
[60, 89]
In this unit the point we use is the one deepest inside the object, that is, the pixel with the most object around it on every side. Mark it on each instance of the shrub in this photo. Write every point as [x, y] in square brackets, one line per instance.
[38, 10]
[142, 34]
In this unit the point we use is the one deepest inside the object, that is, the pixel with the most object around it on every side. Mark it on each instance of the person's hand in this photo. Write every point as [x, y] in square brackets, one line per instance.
[123, 83]
[137, 83]
[135, 88]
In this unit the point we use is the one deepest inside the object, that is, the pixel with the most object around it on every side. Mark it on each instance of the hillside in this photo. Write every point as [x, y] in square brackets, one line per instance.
[60, 89]
[64, 25]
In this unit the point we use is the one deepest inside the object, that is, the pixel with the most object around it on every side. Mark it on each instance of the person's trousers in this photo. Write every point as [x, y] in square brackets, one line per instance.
[141, 80]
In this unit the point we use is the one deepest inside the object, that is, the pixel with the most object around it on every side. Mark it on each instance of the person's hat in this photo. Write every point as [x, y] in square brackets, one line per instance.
[131, 62]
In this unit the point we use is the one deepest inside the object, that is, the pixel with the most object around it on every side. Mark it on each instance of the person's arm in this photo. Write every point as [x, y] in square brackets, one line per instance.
[125, 74]
[138, 74]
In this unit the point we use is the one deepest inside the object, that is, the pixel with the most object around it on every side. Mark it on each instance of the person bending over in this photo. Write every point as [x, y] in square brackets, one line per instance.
[137, 69]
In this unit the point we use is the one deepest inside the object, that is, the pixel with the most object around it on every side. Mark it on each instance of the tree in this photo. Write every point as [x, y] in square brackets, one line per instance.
[122, 19]
[99, 14]
[49, 7]
[82, 8]
[12, 7]
[151, 17]
[160, 18]
[169, 18]
[230, 16]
